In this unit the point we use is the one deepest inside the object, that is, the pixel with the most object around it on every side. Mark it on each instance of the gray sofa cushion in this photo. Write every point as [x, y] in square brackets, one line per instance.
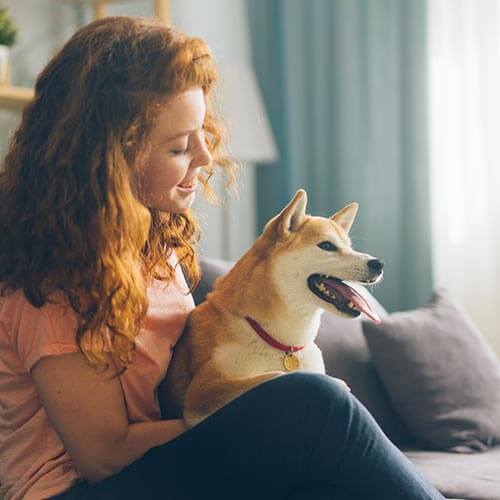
[211, 269]
[344, 350]
[347, 357]
[461, 475]
[441, 376]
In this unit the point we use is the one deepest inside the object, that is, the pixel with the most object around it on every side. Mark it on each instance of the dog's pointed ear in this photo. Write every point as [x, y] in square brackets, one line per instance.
[291, 217]
[345, 217]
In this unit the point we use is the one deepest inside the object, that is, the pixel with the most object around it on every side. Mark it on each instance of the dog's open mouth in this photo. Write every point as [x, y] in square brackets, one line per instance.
[342, 296]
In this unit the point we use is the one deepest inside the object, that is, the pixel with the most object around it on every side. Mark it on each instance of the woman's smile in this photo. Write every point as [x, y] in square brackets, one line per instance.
[188, 188]
[179, 152]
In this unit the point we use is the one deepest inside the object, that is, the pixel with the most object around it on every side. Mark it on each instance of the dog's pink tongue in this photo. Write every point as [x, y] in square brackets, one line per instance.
[350, 294]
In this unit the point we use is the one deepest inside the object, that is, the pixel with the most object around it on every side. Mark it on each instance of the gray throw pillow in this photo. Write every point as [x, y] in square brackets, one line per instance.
[442, 377]
[347, 357]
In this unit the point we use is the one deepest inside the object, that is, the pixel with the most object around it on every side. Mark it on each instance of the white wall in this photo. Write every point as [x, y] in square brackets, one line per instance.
[222, 23]
[44, 26]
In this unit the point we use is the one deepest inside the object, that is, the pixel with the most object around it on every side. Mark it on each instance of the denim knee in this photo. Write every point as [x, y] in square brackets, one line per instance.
[317, 390]
[314, 381]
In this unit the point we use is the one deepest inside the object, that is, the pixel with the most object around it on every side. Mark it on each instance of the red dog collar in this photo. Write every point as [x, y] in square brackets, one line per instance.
[265, 336]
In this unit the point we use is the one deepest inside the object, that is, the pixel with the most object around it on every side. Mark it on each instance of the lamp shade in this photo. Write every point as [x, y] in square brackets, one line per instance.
[249, 133]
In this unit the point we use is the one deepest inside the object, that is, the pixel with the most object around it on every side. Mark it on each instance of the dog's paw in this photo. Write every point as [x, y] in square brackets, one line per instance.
[343, 383]
[192, 418]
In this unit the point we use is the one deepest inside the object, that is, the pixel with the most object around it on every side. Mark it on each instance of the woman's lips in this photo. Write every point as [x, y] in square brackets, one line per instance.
[188, 187]
[189, 184]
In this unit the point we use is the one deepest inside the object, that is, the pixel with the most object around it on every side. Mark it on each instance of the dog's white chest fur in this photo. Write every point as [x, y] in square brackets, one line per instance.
[250, 355]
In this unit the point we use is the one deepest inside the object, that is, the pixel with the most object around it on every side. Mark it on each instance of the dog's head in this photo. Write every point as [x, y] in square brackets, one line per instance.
[312, 257]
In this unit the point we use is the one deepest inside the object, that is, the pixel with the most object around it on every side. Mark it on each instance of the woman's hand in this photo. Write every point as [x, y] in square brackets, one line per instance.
[180, 427]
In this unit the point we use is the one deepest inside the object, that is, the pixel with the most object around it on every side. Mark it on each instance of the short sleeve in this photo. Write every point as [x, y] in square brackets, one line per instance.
[49, 330]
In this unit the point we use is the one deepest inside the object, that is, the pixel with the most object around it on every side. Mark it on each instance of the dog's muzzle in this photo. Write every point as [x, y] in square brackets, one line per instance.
[342, 296]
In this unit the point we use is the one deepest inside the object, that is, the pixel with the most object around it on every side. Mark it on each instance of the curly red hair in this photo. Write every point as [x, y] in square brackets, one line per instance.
[69, 218]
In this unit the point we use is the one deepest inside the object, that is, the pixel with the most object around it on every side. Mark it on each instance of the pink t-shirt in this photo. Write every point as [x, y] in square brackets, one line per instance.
[33, 462]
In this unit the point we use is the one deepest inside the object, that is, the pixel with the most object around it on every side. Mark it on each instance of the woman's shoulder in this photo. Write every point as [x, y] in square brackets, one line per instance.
[19, 314]
[33, 332]
[55, 301]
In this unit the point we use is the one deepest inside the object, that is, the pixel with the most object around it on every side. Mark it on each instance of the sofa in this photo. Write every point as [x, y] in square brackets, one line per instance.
[474, 476]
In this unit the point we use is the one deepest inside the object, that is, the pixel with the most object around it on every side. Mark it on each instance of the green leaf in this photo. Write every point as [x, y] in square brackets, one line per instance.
[8, 30]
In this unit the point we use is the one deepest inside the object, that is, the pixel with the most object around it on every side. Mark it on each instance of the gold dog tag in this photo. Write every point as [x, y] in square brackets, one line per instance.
[291, 362]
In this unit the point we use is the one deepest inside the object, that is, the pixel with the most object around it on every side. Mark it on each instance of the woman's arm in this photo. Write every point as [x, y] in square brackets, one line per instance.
[141, 437]
[87, 410]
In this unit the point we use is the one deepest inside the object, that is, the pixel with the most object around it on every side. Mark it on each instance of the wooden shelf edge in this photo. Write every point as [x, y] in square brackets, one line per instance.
[15, 98]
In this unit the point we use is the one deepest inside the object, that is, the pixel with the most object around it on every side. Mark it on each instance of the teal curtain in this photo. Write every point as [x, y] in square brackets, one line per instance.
[344, 83]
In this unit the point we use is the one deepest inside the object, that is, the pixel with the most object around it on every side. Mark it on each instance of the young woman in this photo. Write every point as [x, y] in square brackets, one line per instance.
[96, 252]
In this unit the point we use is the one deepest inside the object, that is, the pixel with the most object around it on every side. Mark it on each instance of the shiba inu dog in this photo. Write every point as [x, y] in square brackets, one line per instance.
[261, 319]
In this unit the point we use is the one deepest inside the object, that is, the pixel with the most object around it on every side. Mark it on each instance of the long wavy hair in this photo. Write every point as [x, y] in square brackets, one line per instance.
[70, 220]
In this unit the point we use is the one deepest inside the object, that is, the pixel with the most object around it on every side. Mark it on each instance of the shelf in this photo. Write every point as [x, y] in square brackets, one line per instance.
[161, 8]
[15, 98]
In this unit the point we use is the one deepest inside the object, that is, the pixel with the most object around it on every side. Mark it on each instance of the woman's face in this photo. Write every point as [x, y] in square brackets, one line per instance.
[178, 151]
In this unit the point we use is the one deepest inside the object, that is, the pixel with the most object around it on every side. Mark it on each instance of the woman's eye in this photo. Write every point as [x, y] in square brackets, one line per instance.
[327, 245]
[179, 151]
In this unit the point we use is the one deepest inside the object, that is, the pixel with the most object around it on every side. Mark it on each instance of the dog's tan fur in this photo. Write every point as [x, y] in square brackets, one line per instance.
[219, 356]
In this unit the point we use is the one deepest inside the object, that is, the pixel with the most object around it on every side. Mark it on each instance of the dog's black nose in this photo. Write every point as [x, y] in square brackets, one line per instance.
[376, 264]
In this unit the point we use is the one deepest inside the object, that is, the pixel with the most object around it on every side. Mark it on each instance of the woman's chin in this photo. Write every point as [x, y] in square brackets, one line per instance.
[176, 208]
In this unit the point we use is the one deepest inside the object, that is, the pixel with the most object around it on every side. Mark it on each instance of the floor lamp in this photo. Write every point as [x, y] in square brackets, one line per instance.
[249, 133]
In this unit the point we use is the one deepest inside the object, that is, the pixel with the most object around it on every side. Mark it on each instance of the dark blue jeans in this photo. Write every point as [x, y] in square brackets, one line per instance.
[296, 437]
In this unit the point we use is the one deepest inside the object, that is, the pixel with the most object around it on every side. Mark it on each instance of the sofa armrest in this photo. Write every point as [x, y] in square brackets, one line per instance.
[211, 269]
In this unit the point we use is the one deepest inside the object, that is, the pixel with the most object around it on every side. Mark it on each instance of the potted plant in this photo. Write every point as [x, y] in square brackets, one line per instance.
[8, 33]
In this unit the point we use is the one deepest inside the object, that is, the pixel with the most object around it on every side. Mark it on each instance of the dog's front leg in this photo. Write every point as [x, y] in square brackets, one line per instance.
[210, 390]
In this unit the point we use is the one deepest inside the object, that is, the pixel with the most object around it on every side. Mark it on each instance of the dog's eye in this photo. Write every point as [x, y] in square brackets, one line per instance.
[327, 245]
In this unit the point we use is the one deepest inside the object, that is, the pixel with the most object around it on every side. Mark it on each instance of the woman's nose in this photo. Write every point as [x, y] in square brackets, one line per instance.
[203, 157]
